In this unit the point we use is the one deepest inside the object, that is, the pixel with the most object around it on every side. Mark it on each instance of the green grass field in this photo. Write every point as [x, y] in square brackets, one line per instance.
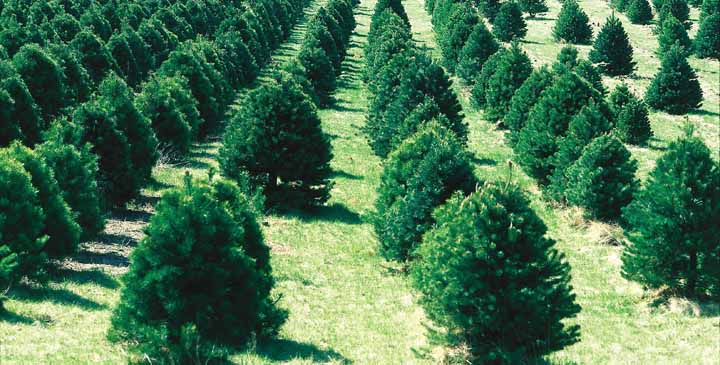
[347, 305]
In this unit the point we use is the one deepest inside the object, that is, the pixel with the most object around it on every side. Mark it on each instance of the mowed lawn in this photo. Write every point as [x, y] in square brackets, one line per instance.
[347, 305]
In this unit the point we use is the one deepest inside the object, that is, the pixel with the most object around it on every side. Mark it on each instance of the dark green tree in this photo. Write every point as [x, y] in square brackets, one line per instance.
[672, 223]
[509, 23]
[709, 7]
[119, 48]
[395, 5]
[468, 268]
[675, 88]
[672, 32]
[479, 91]
[453, 36]
[218, 293]
[676, 8]
[23, 111]
[511, 71]
[533, 7]
[612, 50]
[276, 137]
[75, 77]
[524, 100]
[489, 8]
[572, 24]
[93, 55]
[639, 12]
[479, 47]
[632, 124]
[707, 39]
[423, 172]
[43, 77]
[320, 70]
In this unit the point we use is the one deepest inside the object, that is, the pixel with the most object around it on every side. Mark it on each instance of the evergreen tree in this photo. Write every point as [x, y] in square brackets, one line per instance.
[276, 137]
[218, 293]
[524, 100]
[119, 49]
[93, 55]
[602, 180]
[43, 77]
[533, 7]
[24, 112]
[76, 78]
[320, 70]
[468, 268]
[567, 58]
[631, 116]
[675, 8]
[489, 8]
[675, 88]
[672, 32]
[75, 168]
[672, 223]
[454, 35]
[9, 128]
[612, 49]
[548, 121]
[509, 23]
[479, 91]
[318, 36]
[61, 230]
[237, 54]
[707, 40]
[589, 72]
[709, 7]
[418, 176]
[639, 12]
[390, 38]
[142, 54]
[115, 95]
[572, 24]
[395, 5]
[479, 47]
[511, 71]
[620, 5]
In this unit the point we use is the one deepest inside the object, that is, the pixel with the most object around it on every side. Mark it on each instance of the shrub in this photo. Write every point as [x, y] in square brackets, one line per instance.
[418, 176]
[59, 226]
[21, 226]
[533, 7]
[276, 137]
[675, 88]
[320, 70]
[572, 24]
[117, 180]
[707, 40]
[524, 100]
[454, 34]
[510, 73]
[612, 49]
[548, 120]
[43, 77]
[479, 47]
[75, 169]
[467, 268]
[672, 223]
[172, 110]
[631, 116]
[509, 23]
[24, 112]
[672, 32]
[639, 12]
[602, 180]
[217, 294]
[93, 55]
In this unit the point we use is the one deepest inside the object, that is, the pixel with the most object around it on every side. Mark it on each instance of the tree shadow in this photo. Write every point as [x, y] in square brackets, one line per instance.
[156, 185]
[345, 175]
[134, 215]
[703, 113]
[542, 18]
[530, 42]
[656, 144]
[93, 276]
[287, 350]
[342, 108]
[117, 239]
[14, 318]
[63, 297]
[483, 161]
[335, 212]
[102, 258]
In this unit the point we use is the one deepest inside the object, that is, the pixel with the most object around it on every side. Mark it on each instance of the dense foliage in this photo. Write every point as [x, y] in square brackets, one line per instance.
[572, 24]
[675, 88]
[612, 49]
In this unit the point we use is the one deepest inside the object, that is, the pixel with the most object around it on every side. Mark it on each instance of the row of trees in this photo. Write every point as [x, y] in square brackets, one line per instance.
[95, 129]
[274, 140]
[475, 257]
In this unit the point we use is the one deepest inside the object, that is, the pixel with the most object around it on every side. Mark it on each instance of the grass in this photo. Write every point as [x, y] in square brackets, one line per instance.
[346, 304]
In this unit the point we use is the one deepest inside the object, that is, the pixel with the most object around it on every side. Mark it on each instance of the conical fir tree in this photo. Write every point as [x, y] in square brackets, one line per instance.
[602, 180]
[612, 49]
[524, 100]
[509, 23]
[572, 24]
[481, 82]
[512, 70]
[675, 88]
[455, 34]
[672, 32]
[672, 223]
[468, 268]
[533, 7]
[632, 124]
[479, 47]
[676, 8]
[417, 177]
[707, 40]
[639, 12]
[276, 137]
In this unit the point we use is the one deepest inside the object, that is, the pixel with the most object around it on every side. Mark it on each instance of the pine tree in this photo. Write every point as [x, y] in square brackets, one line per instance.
[93, 55]
[672, 223]
[318, 36]
[676, 8]
[548, 121]
[489, 8]
[602, 180]
[481, 82]
[394, 5]
[612, 49]
[9, 128]
[590, 73]
[509, 23]
[115, 95]
[43, 77]
[707, 40]
[417, 177]
[572, 24]
[632, 124]
[320, 70]
[709, 7]
[524, 100]
[276, 137]
[533, 7]
[237, 54]
[512, 70]
[76, 78]
[675, 88]
[455, 34]
[479, 47]
[467, 268]
[639, 12]
[61, 230]
[218, 293]
[567, 58]
[24, 112]
[620, 5]
[672, 32]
